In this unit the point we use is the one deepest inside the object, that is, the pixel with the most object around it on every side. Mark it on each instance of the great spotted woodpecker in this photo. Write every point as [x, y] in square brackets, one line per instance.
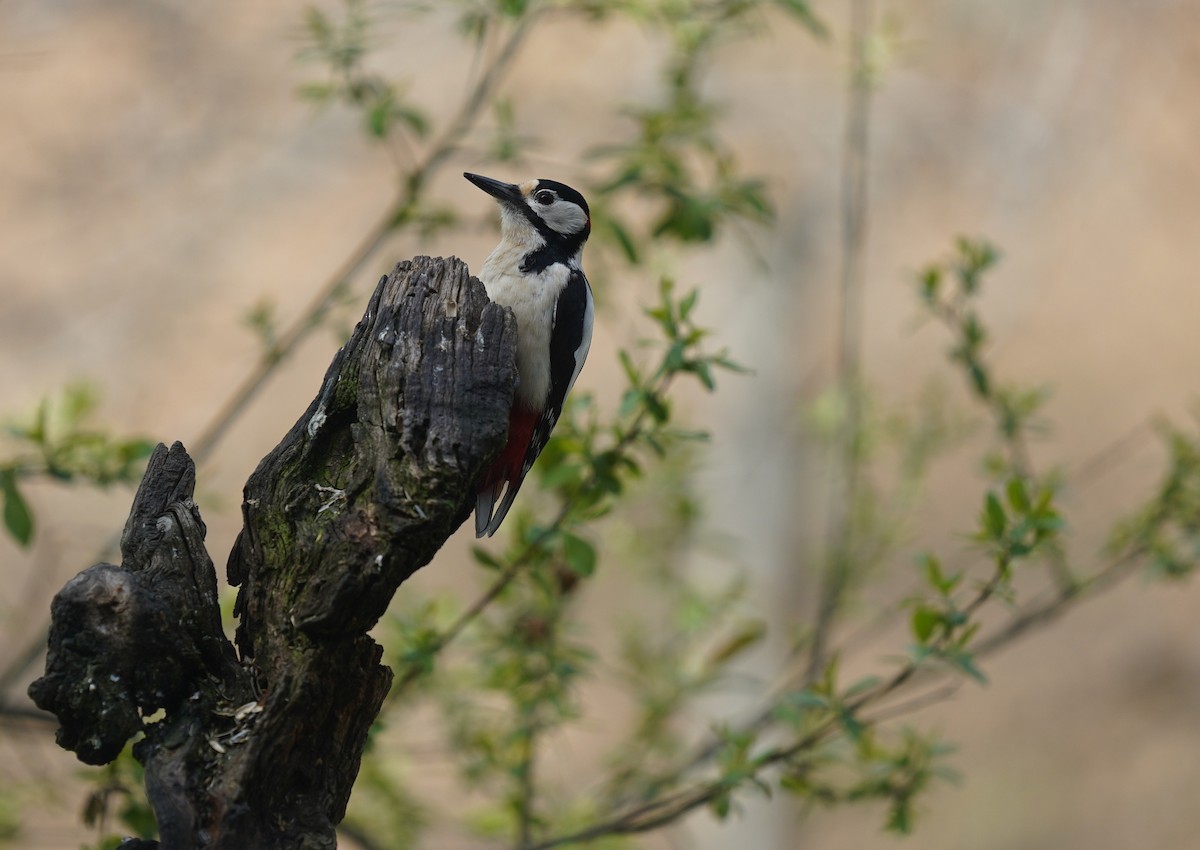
[535, 271]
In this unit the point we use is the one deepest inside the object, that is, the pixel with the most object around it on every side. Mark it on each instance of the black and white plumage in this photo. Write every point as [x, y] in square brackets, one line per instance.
[535, 271]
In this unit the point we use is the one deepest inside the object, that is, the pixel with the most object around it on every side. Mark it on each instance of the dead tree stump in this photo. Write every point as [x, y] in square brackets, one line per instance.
[257, 746]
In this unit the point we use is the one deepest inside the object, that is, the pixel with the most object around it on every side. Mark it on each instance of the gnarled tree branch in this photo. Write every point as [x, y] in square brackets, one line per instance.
[258, 746]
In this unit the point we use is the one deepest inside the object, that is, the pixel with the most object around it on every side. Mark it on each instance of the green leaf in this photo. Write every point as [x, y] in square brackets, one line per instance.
[702, 370]
[938, 580]
[899, 818]
[631, 371]
[688, 220]
[630, 401]
[1048, 522]
[721, 805]
[1018, 496]
[622, 237]
[415, 120]
[750, 199]
[656, 407]
[803, 700]
[973, 332]
[579, 553]
[486, 558]
[687, 303]
[319, 26]
[924, 621]
[931, 281]
[674, 360]
[722, 360]
[748, 635]
[18, 519]
[994, 518]
[853, 726]
[979, 379]
[379, 119]
[513, 8]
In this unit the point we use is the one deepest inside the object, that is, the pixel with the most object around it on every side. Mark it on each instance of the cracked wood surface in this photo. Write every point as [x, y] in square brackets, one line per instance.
[257, 743]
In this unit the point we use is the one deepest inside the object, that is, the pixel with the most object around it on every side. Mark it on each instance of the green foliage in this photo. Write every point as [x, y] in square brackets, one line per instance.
[587, 462]
[666, 666]
[894, 769]
[523, 650]
[58, 442]
[343, 47]
[503, 674]
[1167, 528]
[524, 655]
[18, 518]
[119, 797]
[676, 160]
[948, 290]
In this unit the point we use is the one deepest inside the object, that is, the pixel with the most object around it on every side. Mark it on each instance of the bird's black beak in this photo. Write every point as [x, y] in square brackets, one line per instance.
[506, 192]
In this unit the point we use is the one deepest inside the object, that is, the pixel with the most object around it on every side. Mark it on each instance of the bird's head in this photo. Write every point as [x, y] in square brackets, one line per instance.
[540, 213]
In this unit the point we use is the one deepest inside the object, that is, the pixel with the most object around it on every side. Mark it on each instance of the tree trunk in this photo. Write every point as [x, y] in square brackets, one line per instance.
[258, 745]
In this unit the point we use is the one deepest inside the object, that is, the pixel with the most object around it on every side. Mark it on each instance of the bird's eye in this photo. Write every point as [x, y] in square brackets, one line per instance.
[544, 197]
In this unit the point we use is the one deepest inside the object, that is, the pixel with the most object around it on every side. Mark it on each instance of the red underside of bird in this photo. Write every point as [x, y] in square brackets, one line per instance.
[510, 464]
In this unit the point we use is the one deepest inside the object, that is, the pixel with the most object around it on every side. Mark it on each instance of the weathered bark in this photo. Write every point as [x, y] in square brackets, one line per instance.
[258, 747]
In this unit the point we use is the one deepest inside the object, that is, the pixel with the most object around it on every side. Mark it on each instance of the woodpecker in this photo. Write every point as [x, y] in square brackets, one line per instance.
[535, 271]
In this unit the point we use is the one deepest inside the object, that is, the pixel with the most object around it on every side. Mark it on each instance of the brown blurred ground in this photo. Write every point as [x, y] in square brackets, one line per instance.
[158, 177]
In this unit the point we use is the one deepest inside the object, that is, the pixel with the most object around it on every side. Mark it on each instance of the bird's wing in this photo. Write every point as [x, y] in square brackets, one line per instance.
[570, 339]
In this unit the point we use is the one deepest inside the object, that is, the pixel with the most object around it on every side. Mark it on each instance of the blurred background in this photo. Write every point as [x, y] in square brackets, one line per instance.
[161, 179]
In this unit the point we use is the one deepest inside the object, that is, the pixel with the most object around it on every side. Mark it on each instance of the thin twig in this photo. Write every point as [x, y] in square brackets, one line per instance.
[526, 789]
[670, 807]
[953, 315]
[1040, 613]
[847, 473]
[1099, 463]
[27, 716]
[503, 580]
[912, 672]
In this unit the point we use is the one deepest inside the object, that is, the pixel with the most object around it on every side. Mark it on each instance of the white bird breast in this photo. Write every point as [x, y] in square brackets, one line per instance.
[532, 298]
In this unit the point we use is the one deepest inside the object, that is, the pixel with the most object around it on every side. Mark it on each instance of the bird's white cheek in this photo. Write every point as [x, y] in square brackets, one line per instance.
[564, 218]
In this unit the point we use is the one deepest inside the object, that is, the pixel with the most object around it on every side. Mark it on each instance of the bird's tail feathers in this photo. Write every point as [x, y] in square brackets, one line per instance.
[503, 509]
[484, 503]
